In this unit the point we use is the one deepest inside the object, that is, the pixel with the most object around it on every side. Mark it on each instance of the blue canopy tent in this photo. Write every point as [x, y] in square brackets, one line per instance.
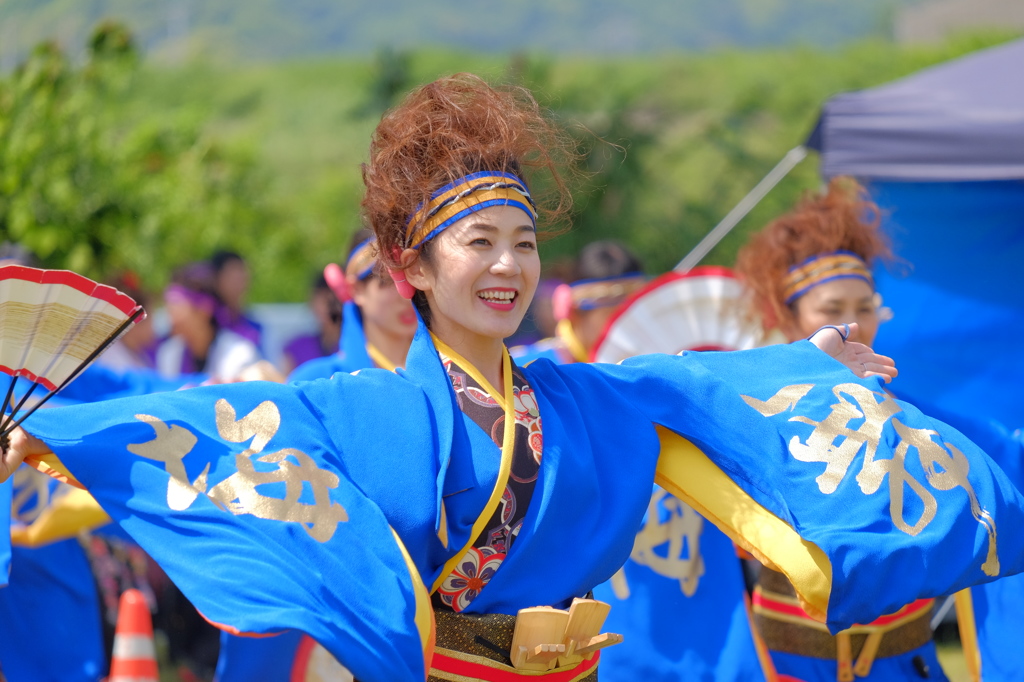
[942, 153]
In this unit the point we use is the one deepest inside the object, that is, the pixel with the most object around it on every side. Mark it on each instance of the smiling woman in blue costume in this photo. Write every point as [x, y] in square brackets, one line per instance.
[377, 325]
[810, 267]
[508, 487]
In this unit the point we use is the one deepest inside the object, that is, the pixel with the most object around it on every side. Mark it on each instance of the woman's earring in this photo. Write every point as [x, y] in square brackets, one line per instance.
[405, 290]
[884, 312]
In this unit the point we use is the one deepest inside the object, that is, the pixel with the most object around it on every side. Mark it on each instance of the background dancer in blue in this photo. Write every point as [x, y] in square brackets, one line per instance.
[377, 325]
[808, 268]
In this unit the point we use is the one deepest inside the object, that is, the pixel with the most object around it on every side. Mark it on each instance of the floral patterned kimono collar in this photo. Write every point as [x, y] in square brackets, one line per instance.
[506, 401]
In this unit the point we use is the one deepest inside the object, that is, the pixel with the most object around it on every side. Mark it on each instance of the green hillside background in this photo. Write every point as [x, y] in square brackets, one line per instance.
[275, 29]
[112, 158]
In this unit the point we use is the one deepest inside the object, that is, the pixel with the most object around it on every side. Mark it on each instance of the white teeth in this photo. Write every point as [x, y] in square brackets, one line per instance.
[497, 296]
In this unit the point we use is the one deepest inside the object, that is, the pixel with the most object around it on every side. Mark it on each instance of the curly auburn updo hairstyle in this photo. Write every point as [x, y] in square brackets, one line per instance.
[450, 128]
[841, 218]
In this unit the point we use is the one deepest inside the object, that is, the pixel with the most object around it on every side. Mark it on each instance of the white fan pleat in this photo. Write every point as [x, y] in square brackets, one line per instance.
[682, 313]
[62, 363]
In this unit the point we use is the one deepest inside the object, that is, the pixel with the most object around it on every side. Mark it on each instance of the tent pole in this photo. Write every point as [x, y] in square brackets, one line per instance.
[746, 205]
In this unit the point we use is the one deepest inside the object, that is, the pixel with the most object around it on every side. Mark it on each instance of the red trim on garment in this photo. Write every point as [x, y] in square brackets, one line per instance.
[302, 655]
[486, 673]
[770, 604]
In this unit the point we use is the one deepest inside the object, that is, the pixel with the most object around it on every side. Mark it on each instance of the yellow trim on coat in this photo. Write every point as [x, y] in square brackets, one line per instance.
[379, 358]
[51, 465]
[770, 539]
[66, 516]
[442, 529]
[477, 376]
[968, 633]
[565, 332]
[424, 615]
[508, 443]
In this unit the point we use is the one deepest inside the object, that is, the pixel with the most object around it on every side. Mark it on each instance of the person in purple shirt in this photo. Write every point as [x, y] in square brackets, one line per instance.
[327, 310]
[231, 283]
[198, 342]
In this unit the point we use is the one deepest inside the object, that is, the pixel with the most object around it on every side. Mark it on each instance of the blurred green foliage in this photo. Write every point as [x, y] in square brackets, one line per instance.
[86, 190]
[117, 164]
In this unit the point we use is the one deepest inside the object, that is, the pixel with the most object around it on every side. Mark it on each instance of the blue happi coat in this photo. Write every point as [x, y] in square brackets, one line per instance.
[51, 591]
[5, 536]
[269, 505]
[993, 610]
[680, 603]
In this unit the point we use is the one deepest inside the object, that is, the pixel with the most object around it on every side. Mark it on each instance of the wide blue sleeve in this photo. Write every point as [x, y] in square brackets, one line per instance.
[1004, 445]
[877, 503]
[241, 494]
[319, 368]
[996, 606]
[97, 382]
[5, 530]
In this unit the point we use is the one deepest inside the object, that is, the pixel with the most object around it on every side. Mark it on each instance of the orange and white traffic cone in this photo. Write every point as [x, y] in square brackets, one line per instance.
[134, 658]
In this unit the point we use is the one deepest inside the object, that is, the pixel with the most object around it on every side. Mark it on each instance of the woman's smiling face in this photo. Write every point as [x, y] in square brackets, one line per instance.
[382, 306]
[481, 275]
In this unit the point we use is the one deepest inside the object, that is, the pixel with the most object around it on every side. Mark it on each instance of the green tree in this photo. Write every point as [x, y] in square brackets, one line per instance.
[89, 191]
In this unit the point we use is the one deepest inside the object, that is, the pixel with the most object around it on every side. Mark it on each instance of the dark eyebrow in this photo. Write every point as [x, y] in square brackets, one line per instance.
[839, 301]
[487, 227]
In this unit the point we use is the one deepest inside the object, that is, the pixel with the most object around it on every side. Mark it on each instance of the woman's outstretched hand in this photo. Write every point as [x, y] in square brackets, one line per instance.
[860, 359]
[21, 445]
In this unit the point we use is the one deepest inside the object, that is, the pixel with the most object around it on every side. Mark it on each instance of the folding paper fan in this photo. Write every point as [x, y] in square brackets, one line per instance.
[698, 310]
[53, 324]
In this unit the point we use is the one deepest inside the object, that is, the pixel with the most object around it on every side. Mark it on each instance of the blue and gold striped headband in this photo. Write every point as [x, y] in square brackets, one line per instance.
[824, 268]
[360, 262]
[589, 294]
[467, 195]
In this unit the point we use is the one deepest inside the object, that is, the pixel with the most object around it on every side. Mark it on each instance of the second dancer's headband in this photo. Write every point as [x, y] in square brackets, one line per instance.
[358, 267]
[360, 262]
[824, 268]
[588, 294]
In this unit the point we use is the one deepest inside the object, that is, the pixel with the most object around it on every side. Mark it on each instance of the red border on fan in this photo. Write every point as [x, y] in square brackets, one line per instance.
[657, 283]
[121, 301]
[25, 374]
